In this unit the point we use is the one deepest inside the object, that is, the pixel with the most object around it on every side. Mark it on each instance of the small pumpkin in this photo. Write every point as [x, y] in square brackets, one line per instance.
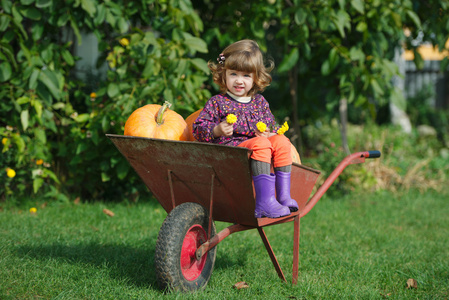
[156, 121]
[295, 155]
[190, 120]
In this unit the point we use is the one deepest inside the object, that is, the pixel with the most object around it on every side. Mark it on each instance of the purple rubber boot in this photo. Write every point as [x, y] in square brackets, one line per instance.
[266, 203]
[283, 190]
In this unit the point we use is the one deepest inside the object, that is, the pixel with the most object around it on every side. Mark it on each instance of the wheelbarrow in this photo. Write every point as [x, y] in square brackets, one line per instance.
[197, 183]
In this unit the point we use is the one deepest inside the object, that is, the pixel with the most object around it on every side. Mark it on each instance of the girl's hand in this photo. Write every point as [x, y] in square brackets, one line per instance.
[262, 130]
[223, 129]
[266, 134]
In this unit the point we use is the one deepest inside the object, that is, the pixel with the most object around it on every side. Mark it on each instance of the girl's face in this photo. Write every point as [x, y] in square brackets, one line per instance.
[239, 83]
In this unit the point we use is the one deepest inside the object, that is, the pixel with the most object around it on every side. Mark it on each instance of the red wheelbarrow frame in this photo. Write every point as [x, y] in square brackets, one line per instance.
[219, 177]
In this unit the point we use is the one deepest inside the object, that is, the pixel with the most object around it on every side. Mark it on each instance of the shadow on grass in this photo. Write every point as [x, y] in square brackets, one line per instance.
[124, 263]
[224, 260]
[132, 265]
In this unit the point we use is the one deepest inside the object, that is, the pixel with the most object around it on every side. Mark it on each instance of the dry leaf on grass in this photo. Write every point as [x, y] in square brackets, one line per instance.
[241, 285]
[108, 212]
[412, 284]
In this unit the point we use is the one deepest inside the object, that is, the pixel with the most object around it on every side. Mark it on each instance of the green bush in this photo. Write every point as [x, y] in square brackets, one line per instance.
[422, 112]
[52, 117]
[53, 124]
[408, 160]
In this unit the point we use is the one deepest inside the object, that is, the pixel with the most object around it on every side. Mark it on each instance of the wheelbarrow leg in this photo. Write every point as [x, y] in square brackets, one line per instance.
[296, 250]
[271, 253]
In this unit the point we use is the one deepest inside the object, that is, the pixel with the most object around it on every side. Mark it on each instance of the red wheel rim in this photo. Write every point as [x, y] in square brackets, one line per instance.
[190, 267]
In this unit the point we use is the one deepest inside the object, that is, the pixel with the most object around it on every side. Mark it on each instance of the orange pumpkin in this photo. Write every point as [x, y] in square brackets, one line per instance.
[295, 155]
[190, 120]
[156, 121]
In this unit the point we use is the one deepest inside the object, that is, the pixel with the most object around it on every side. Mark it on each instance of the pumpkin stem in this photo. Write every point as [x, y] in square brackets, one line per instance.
[160, 113]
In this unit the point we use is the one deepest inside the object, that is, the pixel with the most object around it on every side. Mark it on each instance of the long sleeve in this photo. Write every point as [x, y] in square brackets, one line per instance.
[205, 123]
[248, 114]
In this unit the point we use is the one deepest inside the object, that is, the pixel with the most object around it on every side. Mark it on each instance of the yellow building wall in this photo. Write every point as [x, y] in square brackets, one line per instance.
[428, 52]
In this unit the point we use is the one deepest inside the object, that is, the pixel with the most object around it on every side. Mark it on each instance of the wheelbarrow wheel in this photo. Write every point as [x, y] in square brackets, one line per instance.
[182, 232]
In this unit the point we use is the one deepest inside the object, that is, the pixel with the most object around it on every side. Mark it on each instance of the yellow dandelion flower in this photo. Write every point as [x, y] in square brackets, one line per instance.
[124, 42]
[39, 162]
[33, 210]
[284, 128]
[261, 126]
[231, 119]
[93, 95]
[4, 141]
[10, 173]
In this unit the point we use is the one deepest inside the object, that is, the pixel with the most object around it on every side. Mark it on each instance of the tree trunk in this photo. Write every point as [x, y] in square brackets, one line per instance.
[343, 108]
[398, 114]
[296, 139]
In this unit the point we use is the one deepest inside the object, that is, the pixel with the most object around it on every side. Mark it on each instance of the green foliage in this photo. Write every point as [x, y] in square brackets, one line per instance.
[155, 50]
[433, 28]
[407, 161]
[51, 115]
[335, 49]
[421, 112]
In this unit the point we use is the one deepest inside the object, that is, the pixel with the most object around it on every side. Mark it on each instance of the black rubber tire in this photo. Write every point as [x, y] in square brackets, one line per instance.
[169, 244]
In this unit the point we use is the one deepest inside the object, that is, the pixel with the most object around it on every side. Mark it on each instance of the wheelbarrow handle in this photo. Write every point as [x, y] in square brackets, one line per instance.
[354, 158]
[373, 154]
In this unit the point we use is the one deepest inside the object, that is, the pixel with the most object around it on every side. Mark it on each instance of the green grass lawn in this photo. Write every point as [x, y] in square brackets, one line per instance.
[361, 246]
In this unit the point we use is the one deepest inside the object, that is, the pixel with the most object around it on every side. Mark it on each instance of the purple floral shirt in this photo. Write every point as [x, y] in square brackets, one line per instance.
[248, 114]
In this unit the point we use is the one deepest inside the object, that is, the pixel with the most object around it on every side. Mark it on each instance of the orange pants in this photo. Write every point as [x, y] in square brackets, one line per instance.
[276, 149]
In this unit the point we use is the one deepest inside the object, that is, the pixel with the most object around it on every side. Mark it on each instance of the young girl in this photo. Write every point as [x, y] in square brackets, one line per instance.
[241, 73]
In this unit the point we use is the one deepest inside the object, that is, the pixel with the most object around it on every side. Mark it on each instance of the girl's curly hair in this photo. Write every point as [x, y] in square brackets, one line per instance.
[243, 56]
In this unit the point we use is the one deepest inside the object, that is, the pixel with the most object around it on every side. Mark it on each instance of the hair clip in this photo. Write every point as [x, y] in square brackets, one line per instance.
[221, 58]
